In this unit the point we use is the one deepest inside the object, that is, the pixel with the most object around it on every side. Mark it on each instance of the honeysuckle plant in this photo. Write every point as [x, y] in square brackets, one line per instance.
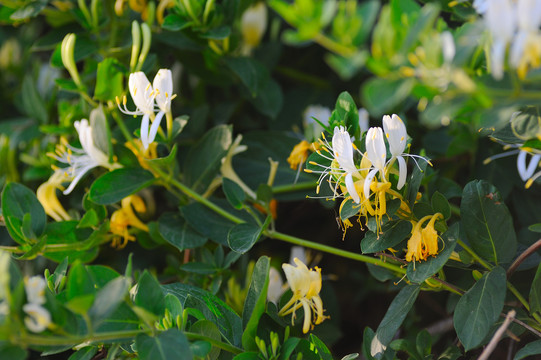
[121, 238]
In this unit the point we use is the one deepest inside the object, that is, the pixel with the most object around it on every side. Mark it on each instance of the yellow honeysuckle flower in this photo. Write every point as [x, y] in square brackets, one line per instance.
[141, 153]
[46, 195]
[305, 284]
[299, 154]
[124, 217]
[253, 26]
[423, 242]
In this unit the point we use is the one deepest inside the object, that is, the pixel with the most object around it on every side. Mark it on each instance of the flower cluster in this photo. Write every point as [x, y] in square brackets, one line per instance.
[149, 99]
[124, 217]
[515, 23]
[38, 318]
[305, 284]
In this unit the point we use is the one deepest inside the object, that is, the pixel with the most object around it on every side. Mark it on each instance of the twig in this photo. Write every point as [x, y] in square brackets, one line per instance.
[497, 336]
[527, 327]
[533, 248]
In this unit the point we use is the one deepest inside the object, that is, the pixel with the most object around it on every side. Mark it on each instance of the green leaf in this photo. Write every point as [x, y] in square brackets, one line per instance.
[399, 308]
[169, 345]
[109, 80]
[174, 22]
[150, 295]
[247, 356]
[89, 220]
[34, 106]
[414, 182]
[422, 270]
[426, 19]
[535, 292]
[86, 353]
[487, 222]
[12, 352]
[207, 222]
[243, 236]
[479, 308]
[115, 185]
[322, 349]
[440, 204]
[108, 299]
[199, 268]
[234, 193]
[349, 115]
[213, 308]
[176, 231]
[381, 95]
[203, 162]
[80, 289]
[392, 233]
[269, 99]
[208, 329]
[85, 241]
[255, 303]
[17, 201]
[218, 33]
[533, 348]
[250, 72]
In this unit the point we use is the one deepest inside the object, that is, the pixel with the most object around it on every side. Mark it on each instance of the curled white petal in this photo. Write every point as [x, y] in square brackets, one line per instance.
[38, 318]
[144, 130]
[163, 86]
[155, 126]
[350, 185]
[402, 171]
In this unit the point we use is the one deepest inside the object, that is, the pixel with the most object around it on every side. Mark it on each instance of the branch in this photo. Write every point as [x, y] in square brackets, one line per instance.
[497, 336]
[529, 251]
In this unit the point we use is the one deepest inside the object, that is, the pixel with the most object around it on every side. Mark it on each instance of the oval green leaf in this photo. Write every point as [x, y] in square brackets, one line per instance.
[169, 345]
[242, 237]
[115, 185]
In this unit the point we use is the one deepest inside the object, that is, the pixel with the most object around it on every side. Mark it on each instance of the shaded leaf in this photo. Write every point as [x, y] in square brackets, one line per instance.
[115, 185]
[176, 231]
[169, 345]
[254, 305]
[242, 237]
[392, 233]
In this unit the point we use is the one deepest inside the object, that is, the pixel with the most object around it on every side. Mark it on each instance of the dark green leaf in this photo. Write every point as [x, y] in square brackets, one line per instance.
[67, 232]
[322, 349]
[150, 295]
[108, 299]
[218, 33]
[269, 98]
[28, 10]
[419, 272]
[393, 319]
[347, 110]
[440, 204]
[392, 233]
[487, 222]
[86, 353]
[535, 292]
[250, 71]
[12, 352]
[212, 307]
[174, 22]
[169, 345]
[242, 237]
[204, 159]
[234, 193]
[80, 289]
[32, 101]
[17, 201]
[254, 305]
[210, 330]
[479, 308]
[533, 348]
[176, 231]
[199, 268]
[207, 222]
[89, 219]
[414, 182]
[115, 185]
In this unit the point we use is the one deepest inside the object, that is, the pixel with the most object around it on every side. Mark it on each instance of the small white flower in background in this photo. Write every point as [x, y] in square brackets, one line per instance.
[364, 119]
[38, 318]
[447, 47]
[276, 286]
[298, 252]
[81, 161]
[313, 128]
[526, 46]
[376, 151]
[253, 26]
[35, 289]
[500, 21]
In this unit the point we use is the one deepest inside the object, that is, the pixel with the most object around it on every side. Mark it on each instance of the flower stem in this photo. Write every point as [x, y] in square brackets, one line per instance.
[293, 187]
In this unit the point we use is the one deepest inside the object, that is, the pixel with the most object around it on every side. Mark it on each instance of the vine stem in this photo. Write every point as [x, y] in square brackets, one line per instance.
[37, 340]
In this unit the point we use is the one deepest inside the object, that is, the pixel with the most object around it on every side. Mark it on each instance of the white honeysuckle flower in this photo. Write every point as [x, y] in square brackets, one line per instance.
[81, 161]
[397, 136]
[376, 152]
[447, 46]
[343, 153]
[253, 26]
[501, 22]
[298, 252]
[364, 119]
[38, 318]
[276, 286]
[480, 6]
[35, 289]
[527, 171]
[163, 86]
[528, 14]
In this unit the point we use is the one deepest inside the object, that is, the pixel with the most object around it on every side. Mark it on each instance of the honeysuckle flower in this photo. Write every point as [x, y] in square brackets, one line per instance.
[299, 154]
[527, 171]
[364, 119]
[276, 286]
[124, 217]
[227, 166]
[38, 318]
[46, 195]
[305, 284]
[149, 98]
[343, 153]
[253, 26]
[35, 289]
[501, 23]
[447, 47]
[526, 46]
[376, 152]
[423, 241]
[81, 161]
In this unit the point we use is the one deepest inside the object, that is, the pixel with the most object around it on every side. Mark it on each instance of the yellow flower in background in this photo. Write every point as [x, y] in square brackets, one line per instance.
[423, 241]
[298, 155]
[124, 217]
[141, 153]
[305, 284]
[253, 26]
[46, 195]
